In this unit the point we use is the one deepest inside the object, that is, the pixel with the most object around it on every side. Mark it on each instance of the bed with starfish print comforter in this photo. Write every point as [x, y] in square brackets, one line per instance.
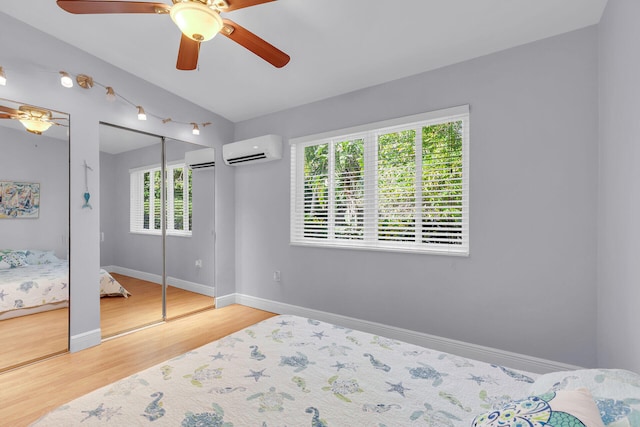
[45, 285]
[295, 371]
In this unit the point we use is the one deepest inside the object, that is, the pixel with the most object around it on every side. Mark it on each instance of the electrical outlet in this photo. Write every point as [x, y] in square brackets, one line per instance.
[276, 276]
[199, 263]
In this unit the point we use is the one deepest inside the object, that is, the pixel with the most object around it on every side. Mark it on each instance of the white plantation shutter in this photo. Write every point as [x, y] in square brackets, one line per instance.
[444, 199]
[178, 199]
[136, 199]
[397, 185]
[145, 212]
[315, 194]
[348, 189]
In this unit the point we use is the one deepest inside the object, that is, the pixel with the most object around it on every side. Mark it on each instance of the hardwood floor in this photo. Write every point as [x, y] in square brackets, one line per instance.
[31, 391]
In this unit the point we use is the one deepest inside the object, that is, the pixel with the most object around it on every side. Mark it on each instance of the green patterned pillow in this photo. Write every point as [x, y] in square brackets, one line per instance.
[12, 259]
[575, 408]
[616, 392]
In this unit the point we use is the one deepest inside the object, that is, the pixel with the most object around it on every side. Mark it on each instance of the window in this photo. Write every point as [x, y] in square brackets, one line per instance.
[146, 200]
[398, 185]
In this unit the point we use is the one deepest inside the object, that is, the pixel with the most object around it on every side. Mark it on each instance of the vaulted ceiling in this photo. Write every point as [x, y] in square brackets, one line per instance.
[335, 46]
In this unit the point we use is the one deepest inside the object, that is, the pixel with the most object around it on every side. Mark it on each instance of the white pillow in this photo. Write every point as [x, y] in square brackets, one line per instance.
[38, 257]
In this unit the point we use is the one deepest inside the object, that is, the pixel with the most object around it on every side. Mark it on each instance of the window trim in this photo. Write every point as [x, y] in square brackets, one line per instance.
[297, 171]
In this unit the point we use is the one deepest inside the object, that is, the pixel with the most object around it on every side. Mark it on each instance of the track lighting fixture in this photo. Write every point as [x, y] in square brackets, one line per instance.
[65, 79]
[111, 94]
[141, 114]
[84, 81]
[37, 121]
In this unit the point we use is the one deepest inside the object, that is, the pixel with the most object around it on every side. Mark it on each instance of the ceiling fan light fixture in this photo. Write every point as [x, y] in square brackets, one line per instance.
[196, 129]
[35, 120]
[36, 126]
[196, 20]
[3, 77]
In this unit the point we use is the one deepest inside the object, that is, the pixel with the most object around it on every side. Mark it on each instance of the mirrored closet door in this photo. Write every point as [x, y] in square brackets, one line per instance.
[34, 233]
[151, 230]
[190, 228]
[130, 238]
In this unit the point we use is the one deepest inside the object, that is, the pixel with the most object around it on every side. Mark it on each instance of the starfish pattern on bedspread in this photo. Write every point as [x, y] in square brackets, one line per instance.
[256, 377]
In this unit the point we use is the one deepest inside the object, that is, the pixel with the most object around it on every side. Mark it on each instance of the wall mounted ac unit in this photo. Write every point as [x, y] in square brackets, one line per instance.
[255, 150]
[200, 159]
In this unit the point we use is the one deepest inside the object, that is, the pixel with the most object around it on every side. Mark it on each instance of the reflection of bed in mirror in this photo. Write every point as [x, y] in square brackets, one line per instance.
[34, 281]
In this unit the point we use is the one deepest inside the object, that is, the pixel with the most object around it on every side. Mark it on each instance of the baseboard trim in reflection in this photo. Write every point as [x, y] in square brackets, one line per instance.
[156, 278]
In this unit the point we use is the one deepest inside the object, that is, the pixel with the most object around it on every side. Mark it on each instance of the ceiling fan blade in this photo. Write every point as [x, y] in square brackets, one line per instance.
[98, 6]
[255, 44]
[5, 116]
[9, 111]
[188, 54]
[240, 4]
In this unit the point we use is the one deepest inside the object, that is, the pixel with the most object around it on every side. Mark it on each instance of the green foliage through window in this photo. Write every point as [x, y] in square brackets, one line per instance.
[398, 186]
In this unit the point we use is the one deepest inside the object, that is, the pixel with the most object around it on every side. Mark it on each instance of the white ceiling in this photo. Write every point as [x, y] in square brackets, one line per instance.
[335, 46]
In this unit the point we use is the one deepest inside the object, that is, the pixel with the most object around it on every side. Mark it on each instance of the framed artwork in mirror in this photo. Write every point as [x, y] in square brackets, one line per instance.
[19, 199]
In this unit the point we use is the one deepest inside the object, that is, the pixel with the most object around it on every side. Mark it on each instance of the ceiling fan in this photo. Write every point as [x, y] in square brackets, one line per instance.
[35, 120]
[199, 21]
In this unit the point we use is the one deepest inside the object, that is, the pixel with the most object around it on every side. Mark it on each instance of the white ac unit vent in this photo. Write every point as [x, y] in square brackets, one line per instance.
[255, 150]
[200, 159]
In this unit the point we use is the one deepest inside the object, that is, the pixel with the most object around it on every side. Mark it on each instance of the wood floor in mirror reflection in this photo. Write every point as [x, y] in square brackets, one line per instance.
[26, 339]
[144, 306]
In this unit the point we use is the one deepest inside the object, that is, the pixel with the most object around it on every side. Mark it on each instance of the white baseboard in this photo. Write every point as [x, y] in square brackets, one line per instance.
[85, 340]
[226, 300]
[156, 278]
[460, 348]
[198, 288]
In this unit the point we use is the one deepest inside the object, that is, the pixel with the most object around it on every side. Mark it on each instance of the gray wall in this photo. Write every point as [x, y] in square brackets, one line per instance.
[144, 252]
[37, 158]
[108, 208]
[619, 187]
[33, 78]
[529, 285]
